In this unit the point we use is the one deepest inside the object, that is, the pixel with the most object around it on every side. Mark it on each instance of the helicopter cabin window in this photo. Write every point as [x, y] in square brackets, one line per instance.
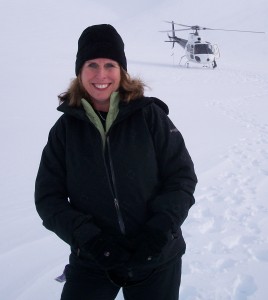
[203, 49]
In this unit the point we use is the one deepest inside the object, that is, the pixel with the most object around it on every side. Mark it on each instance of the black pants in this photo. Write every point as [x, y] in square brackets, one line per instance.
[94, 284]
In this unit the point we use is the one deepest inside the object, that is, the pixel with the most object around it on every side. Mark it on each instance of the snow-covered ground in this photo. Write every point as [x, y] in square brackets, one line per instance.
[222, 114]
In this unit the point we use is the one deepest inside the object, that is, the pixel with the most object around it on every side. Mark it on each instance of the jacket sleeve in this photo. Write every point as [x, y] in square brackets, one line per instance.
[170, 207]
[51, 194]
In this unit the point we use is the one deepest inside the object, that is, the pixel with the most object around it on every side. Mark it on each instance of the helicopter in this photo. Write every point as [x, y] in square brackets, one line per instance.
[197, 50]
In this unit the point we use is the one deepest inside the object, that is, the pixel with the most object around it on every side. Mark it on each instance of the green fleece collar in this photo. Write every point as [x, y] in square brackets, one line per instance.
[111, 116]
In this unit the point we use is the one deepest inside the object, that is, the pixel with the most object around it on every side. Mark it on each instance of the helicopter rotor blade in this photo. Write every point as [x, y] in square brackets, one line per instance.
[250, 31]
[183, 29]
[194, 27]
[190, 27]
[177, 24]
[174, 30]
[197, 27]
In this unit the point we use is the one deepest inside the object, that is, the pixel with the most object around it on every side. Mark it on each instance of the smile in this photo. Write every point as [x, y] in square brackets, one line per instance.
[101, 86]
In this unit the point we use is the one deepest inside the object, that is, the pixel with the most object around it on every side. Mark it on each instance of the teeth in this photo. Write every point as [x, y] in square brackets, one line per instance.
[101, 86]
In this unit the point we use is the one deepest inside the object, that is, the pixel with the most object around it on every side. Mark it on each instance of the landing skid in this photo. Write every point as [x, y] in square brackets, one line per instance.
[186, 64]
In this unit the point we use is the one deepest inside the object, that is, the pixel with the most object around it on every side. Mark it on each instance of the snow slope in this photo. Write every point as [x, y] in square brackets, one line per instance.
[221, 113]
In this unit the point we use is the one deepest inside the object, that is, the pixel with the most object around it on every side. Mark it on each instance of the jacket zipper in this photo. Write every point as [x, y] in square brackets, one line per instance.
[112, 182]
[116, 202]
[114, 189]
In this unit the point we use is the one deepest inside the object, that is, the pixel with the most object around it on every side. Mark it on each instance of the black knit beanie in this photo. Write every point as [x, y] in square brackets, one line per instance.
[100, 41]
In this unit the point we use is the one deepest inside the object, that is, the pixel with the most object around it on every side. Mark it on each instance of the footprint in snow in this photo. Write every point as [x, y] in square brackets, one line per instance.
[244, 286]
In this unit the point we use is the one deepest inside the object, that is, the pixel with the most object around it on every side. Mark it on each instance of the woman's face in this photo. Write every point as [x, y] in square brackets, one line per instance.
[100, 78]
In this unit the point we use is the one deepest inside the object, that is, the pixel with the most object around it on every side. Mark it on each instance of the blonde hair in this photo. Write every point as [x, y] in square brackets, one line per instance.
[130, 89]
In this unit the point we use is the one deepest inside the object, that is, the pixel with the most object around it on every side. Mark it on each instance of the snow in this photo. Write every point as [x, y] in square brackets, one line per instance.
[221, 113]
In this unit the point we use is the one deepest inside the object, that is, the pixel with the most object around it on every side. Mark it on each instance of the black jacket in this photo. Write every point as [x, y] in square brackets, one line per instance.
[144, 171]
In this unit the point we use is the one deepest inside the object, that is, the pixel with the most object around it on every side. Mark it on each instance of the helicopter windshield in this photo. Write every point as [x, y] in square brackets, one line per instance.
[203, 49]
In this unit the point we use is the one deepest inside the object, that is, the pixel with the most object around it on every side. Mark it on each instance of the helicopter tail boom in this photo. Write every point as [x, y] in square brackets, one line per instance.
[174, 39]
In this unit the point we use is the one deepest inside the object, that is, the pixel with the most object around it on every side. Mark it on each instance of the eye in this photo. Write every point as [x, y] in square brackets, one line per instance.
[92, 65]
[110, 65]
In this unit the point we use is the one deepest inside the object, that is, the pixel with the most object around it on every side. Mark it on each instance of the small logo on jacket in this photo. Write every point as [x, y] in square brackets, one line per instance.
[174, 130]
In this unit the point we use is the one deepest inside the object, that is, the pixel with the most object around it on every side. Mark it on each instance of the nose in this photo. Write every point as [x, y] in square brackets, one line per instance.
[101, 72]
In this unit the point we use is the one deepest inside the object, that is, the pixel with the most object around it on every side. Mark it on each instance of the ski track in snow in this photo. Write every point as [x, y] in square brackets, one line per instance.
[235, 221]
[37, 268]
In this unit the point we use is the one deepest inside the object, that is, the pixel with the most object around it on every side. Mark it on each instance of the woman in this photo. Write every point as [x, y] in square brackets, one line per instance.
[115, 180]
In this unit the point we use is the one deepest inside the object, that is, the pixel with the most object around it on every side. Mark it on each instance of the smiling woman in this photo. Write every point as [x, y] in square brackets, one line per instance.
[115, 180]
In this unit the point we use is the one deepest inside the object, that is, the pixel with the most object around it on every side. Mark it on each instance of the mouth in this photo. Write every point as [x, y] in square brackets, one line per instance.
[102, 86]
